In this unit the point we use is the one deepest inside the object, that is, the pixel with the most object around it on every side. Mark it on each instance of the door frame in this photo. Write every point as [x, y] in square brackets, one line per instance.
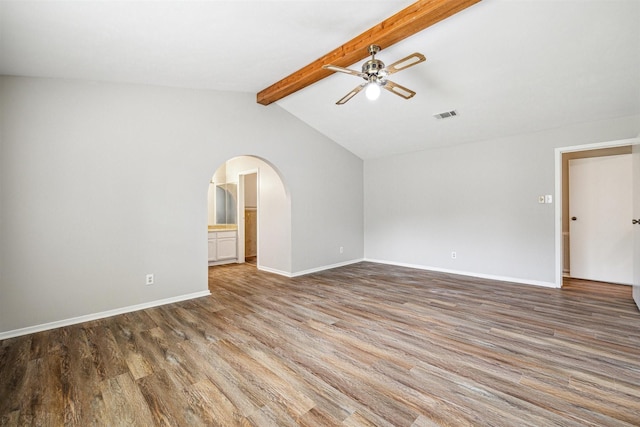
[558, 193]
[241, 224]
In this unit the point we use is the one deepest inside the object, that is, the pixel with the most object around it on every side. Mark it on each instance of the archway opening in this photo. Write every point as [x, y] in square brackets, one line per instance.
[249, 216]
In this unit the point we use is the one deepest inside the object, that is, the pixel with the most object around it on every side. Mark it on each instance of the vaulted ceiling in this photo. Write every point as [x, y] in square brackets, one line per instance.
[507, 67]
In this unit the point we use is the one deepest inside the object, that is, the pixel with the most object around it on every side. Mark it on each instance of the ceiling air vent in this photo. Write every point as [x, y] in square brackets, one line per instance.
[446, 114]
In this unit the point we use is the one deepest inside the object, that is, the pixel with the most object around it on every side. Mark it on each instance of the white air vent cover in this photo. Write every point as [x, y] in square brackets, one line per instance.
[446, 114]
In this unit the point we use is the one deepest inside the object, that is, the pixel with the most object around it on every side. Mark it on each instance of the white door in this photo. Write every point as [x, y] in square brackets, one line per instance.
[636, 226]
[600, 230]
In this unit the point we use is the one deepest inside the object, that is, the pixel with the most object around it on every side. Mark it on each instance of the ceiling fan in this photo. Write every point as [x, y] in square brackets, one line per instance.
[375, 73]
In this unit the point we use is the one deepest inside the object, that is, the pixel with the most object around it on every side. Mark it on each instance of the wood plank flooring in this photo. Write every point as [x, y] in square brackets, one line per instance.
[362, 345]
[596, 288]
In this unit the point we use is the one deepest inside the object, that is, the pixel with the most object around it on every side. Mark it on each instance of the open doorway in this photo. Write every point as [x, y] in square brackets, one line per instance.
[249, 185]
[259, 225]
[563, 215]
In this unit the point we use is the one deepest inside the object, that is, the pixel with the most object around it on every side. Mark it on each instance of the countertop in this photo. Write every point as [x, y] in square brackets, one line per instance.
[222, 227]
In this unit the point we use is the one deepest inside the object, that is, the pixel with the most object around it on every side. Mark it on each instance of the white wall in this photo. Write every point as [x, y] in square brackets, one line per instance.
[104, 183]
[480, 200]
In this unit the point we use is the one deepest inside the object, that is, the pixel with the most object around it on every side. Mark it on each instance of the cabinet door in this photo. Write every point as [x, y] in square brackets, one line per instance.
[226, 248]
[212, 249]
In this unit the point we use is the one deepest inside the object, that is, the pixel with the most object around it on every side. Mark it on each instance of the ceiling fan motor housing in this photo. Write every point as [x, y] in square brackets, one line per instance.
[372, 66]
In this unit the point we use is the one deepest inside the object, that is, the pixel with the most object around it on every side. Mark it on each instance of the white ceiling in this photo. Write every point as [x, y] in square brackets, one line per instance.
[507, 66]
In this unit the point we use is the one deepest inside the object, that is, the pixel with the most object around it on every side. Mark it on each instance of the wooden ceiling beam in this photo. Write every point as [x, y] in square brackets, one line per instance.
[407, 22]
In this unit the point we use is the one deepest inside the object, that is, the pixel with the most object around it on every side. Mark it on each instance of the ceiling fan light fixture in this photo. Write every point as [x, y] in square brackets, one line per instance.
[373, 90]
[375, 73]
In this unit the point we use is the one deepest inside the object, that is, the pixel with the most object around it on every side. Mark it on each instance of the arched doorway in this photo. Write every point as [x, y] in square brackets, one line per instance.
[242, 189]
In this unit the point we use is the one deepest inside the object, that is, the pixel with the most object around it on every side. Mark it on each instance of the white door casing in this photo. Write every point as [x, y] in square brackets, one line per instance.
[601, 236]
[635, 161]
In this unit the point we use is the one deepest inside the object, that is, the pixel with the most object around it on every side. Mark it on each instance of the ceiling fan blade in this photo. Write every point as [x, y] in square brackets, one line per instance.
[351, 94]
[398, 90]
[343, 70]
[409, 61]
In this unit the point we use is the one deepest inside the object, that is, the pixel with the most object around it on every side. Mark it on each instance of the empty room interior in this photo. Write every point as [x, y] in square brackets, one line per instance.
[316, 213]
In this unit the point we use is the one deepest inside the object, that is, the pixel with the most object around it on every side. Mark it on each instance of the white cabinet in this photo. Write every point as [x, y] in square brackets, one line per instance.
[213, 253]
[227, 243]
[223, 246]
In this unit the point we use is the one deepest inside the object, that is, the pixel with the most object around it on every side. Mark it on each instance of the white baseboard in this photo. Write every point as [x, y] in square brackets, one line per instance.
[467, 273]
[326, 267]
[311, 270]
[274, 271]
[101, 315]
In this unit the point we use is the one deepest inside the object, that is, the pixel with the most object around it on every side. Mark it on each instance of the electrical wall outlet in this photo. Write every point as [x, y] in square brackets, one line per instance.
[341, 249]
[149, 280]
[540, 199]
[454, 255]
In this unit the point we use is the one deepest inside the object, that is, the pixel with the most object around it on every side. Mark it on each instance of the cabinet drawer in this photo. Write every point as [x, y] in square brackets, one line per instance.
[226, 234]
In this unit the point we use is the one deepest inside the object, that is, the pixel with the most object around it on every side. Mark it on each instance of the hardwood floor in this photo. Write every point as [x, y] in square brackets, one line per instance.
[362, 345]
[596, 288]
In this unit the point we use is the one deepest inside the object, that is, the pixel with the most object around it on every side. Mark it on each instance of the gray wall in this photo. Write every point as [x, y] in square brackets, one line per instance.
[479, 200]
[101, 184]
[104, 183]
